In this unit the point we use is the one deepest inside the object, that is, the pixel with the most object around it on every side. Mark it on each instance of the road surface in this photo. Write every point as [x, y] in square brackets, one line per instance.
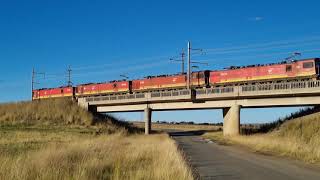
[213, 161]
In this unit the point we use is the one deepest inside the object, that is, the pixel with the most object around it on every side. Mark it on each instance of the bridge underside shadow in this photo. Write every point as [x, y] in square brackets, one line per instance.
[231, 109]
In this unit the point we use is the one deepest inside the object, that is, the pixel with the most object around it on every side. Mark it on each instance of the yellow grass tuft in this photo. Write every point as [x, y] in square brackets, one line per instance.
[298, 139]
[58, 113]
[79, 156]
[56, 139]
[45, 112]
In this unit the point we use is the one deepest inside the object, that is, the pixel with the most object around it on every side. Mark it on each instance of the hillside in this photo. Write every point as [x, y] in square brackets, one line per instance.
[298, 138]
[58, 112]
[56, 139]
[292, 116]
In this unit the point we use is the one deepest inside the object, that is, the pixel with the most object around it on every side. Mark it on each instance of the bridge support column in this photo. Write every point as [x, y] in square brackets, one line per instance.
[147, 120]
[231, 121]
[82, 103]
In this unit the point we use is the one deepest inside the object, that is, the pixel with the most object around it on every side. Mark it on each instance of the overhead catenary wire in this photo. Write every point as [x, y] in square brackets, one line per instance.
[106, 72]
[117, 62]
[216, 51]
[228, 50]
[232, 59]
[268, 44]
[253, 50]
[139, 67]
[95, 70]
[117, 70]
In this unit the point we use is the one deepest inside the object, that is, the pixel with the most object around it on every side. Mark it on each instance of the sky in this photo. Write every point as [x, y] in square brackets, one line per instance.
[101, 40]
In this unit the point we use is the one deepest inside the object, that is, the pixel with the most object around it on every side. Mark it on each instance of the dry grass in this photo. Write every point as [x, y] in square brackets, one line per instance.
[58, 140]
[182, 127]
[53, 111]
[298, 139]
[58, 112]
[79, 154]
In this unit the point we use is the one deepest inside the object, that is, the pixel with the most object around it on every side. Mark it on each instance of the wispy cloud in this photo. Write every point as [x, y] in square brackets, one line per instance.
[257, 18]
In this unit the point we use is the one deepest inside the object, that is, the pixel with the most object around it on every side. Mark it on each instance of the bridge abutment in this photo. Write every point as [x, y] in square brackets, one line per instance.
[83, 103]
[231, 120]
[147, 120]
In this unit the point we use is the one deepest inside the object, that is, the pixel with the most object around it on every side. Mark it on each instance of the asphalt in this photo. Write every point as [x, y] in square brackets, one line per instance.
[213, 161]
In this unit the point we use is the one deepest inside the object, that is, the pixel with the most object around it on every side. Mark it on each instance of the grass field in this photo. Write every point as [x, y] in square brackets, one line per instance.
[298, 139]
[33, 147]
[182, 127]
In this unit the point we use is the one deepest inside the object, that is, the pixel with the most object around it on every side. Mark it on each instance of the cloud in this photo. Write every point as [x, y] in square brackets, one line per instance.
[257, 18]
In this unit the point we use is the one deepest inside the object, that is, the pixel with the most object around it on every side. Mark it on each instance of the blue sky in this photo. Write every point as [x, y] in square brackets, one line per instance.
[103, 39]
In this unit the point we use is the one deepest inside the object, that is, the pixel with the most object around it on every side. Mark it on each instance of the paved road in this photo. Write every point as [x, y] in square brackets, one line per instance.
[213, 161]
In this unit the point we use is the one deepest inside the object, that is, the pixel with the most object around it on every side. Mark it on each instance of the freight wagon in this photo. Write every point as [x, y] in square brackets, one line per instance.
[178, 81]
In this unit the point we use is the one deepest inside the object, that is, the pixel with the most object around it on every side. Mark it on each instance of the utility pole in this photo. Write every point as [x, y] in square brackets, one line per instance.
[189, 74]
[69, 76]
[32, 82]
[182, 59]
[189, 68]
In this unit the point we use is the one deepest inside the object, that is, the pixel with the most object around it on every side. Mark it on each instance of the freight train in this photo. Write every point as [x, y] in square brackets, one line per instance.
[284, 71]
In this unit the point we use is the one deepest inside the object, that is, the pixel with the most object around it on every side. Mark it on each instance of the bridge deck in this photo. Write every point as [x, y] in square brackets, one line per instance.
[231, 99]
[273, 94]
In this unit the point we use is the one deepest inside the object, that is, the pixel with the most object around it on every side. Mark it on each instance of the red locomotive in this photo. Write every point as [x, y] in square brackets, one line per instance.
[198, 79]
[299, 70]
[53, 93]
[103, 88]
[285, 71]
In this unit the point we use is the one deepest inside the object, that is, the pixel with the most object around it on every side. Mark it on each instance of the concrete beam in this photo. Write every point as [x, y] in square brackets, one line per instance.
[147, 120]
[231, 120]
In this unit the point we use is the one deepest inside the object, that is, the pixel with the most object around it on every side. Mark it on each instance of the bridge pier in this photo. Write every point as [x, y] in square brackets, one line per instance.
[83, 103]
[231, 120]
[147, 120]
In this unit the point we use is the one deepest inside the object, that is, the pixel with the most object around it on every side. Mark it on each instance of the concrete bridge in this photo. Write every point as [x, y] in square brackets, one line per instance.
[231, 99]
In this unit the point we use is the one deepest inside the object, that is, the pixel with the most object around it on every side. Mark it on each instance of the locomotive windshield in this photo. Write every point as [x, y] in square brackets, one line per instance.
[308, 65]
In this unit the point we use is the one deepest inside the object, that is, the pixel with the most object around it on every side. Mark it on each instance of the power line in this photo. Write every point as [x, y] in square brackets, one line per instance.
[119, 70]
[261, 55]
[145, 60]
[255, 50]
[53, 77]
[268, 44]
[209, 51]
[214, 51]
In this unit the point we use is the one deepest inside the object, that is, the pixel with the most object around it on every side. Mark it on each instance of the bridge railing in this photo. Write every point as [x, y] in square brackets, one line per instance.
[115, 97]
[281, 86]
[148, 95]
[231, 91]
